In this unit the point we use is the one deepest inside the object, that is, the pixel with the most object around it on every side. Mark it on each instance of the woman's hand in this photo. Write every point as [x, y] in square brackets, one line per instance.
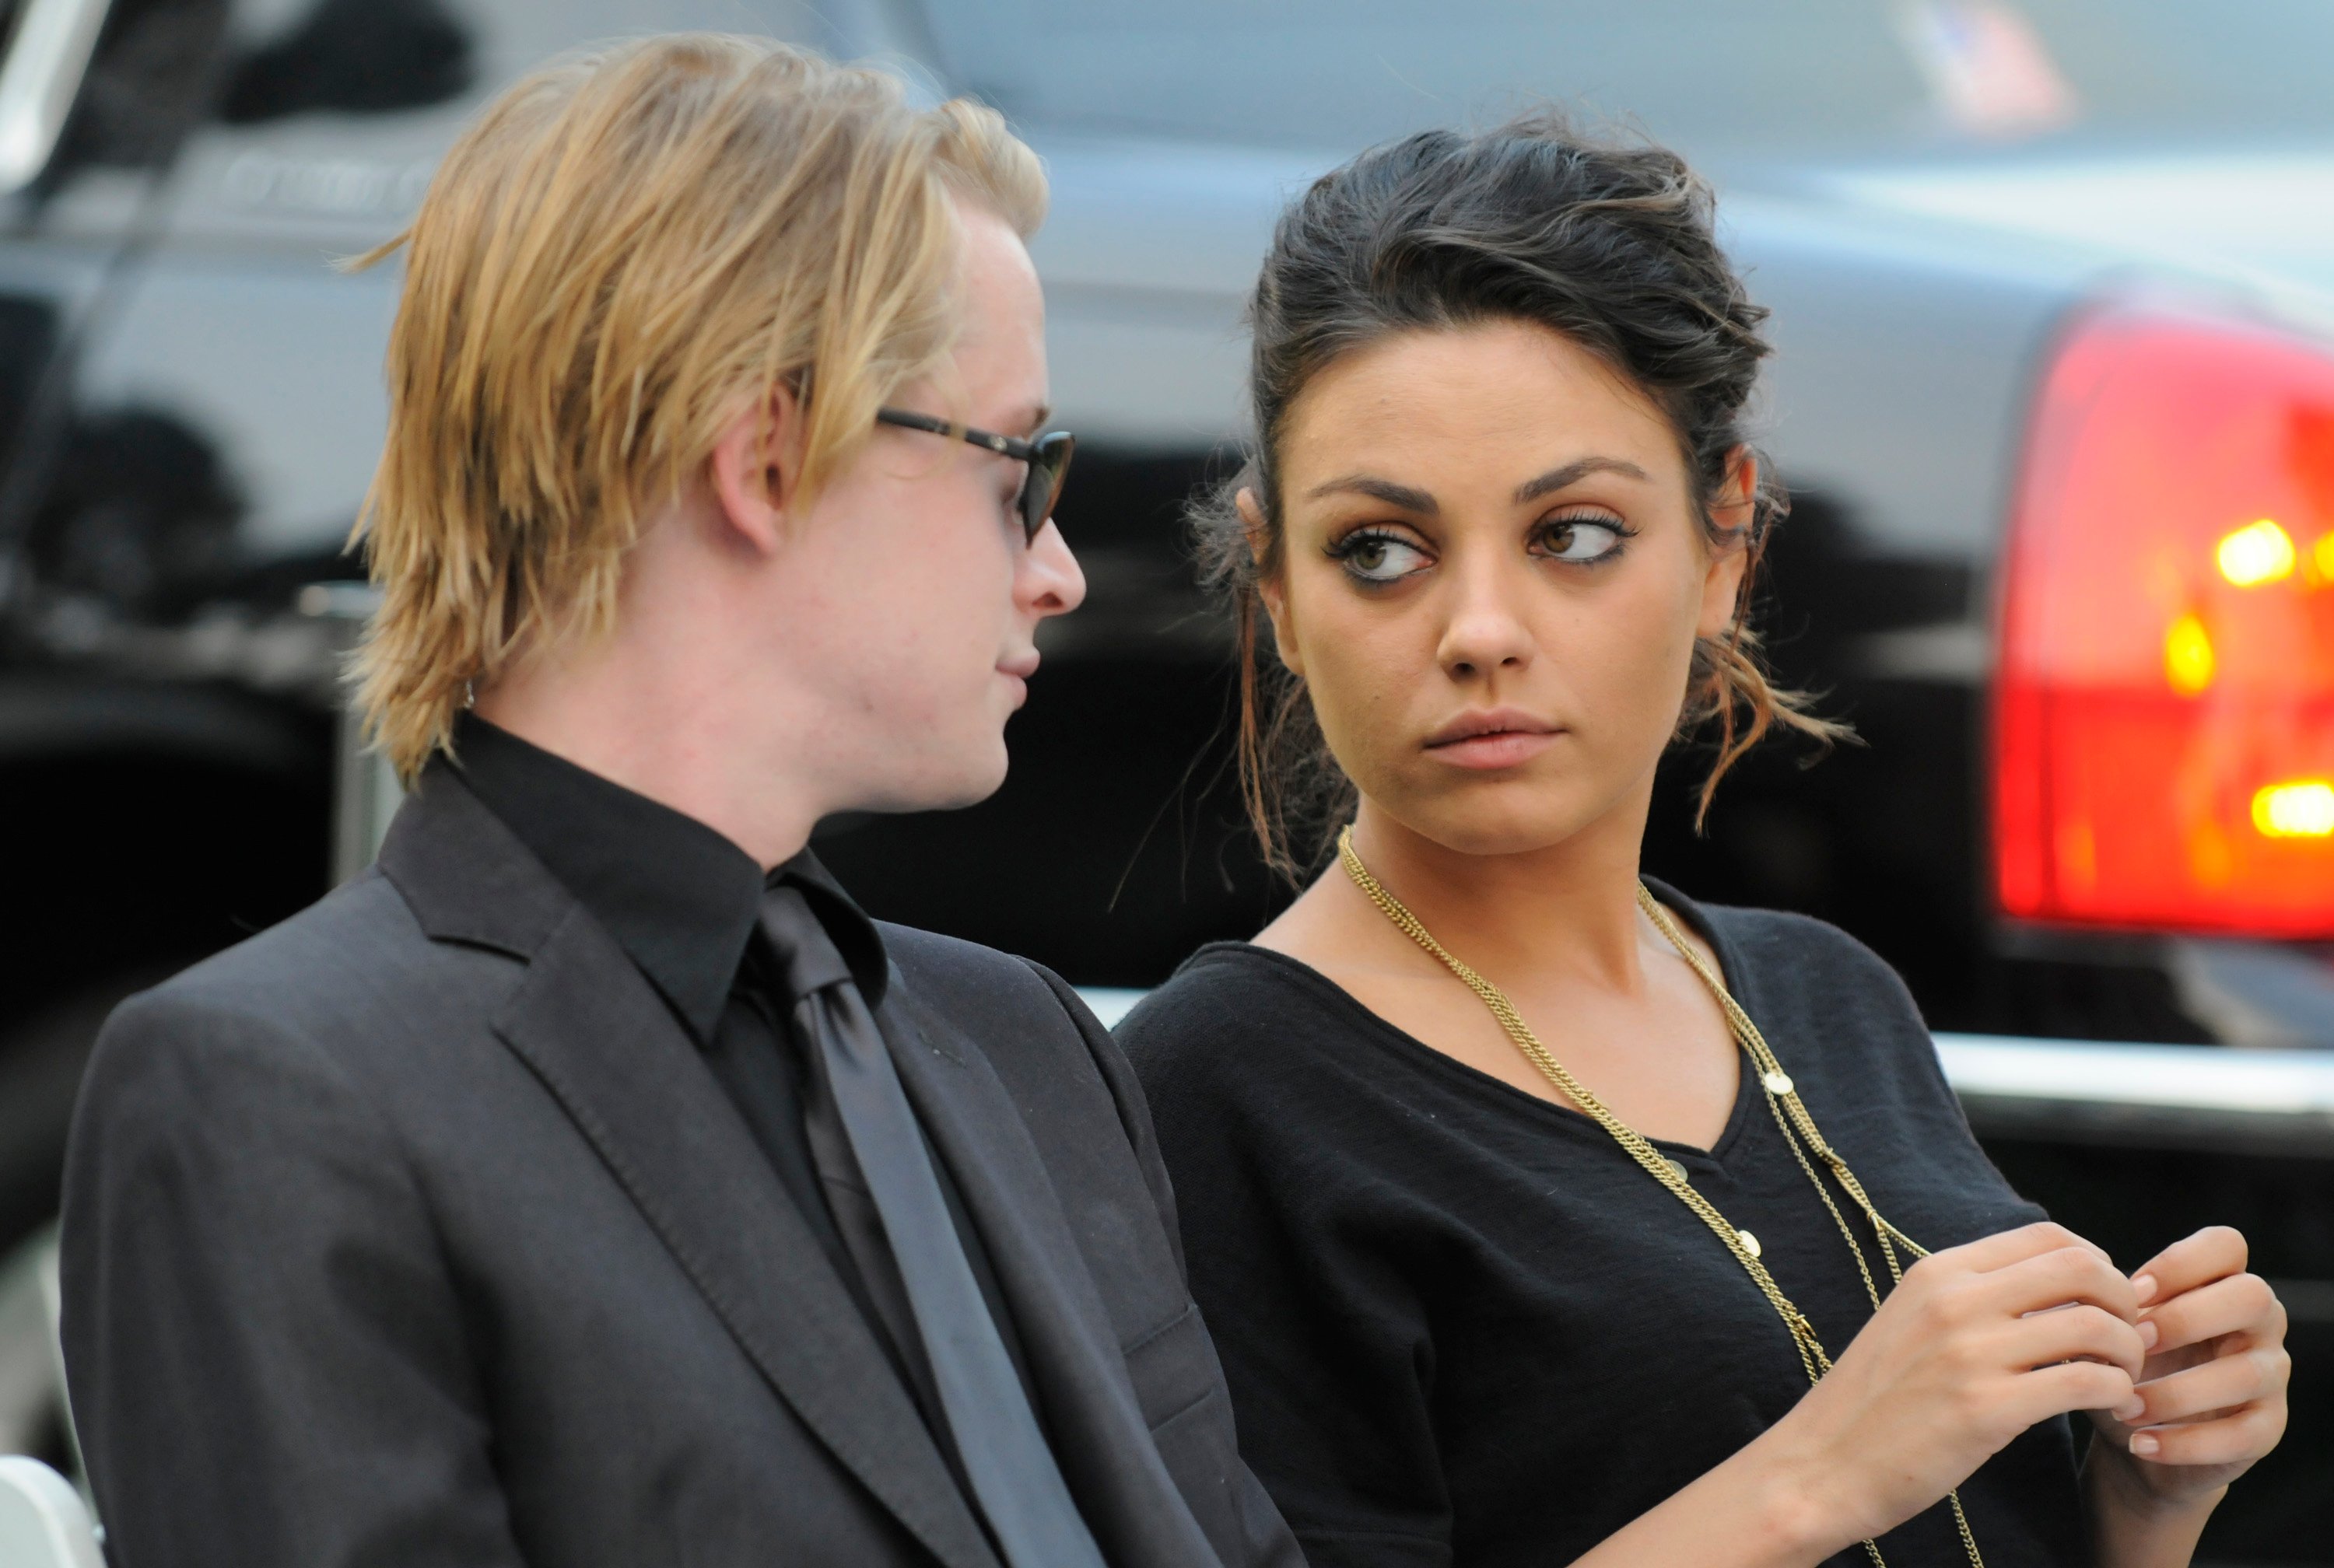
[2213, 1387]
[1977, 1344]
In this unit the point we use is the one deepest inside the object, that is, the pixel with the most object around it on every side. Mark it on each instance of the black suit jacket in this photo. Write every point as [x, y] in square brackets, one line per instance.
[415, 1230]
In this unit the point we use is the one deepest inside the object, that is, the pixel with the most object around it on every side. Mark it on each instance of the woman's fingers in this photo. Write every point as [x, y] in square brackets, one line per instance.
[2236, 1304]
[2223, 1383]
[1994, 1252]
[2084, 1333]
[2078, 1273]
[2213, 1253]
[2065, 1388]
[2233, 1440]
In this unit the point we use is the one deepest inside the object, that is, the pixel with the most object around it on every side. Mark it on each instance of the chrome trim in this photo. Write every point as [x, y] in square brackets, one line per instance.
[47, 56]
[1111, 1002]
[2254, 1101]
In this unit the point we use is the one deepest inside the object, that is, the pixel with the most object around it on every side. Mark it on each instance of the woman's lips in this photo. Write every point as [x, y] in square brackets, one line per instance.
[1501, 748]
[1503, 738]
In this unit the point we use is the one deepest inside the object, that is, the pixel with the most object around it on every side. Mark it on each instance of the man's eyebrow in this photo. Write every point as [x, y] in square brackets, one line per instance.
[1032, 421]
[1572, 473]
[1385, 490]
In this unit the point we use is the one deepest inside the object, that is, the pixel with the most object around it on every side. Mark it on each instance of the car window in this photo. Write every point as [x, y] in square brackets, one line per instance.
[1717, 77]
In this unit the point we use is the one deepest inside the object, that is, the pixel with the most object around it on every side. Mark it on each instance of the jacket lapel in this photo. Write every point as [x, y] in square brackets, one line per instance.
[1098, 1431]
[592, 1030]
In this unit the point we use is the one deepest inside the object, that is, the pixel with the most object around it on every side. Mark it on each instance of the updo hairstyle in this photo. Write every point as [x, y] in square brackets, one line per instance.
[1608, 243]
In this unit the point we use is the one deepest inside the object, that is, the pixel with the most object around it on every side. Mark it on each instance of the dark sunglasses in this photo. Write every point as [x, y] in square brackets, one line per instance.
[1047, 460]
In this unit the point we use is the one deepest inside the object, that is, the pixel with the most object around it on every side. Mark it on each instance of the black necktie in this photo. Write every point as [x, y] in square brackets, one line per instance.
[1015, 1480]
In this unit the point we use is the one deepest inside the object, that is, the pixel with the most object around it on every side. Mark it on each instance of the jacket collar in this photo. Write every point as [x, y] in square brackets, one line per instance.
[678, 896]
[464, 875]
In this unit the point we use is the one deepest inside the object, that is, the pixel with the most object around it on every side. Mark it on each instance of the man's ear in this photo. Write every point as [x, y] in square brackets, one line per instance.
[1271, 587]
[757, 466]
[1733, 512]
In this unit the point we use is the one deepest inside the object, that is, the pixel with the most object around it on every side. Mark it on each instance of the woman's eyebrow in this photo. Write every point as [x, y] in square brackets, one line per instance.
[1385, 490]
[1572, 473]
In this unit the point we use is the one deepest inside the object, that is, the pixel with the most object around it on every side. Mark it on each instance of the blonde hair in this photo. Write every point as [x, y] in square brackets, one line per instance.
[625, 250]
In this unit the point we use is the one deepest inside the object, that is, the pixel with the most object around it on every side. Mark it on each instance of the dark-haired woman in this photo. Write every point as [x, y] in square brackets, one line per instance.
[1541, 1215]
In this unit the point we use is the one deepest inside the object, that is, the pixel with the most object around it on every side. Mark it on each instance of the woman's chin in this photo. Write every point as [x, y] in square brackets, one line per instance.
[1489, 816]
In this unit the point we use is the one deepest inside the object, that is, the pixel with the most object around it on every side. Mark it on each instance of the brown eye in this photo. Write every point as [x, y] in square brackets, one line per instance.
[1378, 557]
[1581, 540]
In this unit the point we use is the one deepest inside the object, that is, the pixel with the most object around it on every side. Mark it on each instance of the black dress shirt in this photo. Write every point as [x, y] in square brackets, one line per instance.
[683, 901]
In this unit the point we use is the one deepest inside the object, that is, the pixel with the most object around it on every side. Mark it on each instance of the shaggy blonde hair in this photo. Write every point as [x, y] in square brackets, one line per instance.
[628, 248]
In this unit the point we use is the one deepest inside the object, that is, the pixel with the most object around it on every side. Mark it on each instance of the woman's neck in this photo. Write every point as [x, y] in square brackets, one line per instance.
[1569, 905]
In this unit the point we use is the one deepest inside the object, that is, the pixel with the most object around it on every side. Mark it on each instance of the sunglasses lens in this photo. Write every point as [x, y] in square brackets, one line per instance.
[1042, 490]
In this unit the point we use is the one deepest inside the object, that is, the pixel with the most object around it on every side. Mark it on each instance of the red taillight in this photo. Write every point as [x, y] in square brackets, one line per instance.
[2164, 728]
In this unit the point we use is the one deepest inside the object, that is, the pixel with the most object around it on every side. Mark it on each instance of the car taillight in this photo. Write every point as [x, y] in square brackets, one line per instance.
[2163, 727]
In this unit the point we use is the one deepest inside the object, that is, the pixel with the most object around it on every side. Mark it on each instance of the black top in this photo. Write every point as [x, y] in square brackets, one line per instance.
[684, 904]
[1461, 1325]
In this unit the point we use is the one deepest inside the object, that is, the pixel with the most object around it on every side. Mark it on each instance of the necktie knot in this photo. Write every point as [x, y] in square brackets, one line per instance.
[806, 954]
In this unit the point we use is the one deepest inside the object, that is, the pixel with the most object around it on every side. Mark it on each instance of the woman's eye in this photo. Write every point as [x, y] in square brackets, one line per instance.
[1379, 557]
[1581, 539]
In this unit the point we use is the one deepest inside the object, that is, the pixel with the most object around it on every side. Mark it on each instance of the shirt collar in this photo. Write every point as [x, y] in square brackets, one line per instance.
[679, 899]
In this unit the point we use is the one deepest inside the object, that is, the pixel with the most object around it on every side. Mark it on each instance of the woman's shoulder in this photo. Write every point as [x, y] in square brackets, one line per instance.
[1814, 989]
[1235, 987]
[1230, 1006]
[1782, 944]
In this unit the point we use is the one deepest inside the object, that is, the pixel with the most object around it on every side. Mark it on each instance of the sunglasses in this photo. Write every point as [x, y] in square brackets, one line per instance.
[1047, 460]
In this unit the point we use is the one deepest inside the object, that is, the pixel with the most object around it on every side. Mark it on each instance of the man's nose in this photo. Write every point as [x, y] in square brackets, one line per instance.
[1052, 581]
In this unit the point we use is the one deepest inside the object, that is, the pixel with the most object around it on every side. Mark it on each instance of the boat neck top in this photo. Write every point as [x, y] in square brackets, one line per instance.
[1461, 1325]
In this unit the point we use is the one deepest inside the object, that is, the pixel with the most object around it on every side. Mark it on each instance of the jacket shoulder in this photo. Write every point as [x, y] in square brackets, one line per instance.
[312, 957]
[970, 984]
[346, 979]
[1037, 1034]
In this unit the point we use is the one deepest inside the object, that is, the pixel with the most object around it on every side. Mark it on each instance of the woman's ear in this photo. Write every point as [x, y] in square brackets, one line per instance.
[1271, 587]
[756, 466]
[1733, 513]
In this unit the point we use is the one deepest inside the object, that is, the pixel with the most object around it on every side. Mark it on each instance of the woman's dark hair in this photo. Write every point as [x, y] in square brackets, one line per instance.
[1608, 243]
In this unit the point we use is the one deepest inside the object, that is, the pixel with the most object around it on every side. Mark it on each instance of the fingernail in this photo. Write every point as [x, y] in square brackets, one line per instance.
[2143, 1289]
[2143, 1444]
[2148, 1333]
[2132, 1411]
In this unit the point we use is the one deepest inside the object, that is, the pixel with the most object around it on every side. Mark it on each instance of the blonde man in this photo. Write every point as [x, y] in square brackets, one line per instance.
[591, 1183]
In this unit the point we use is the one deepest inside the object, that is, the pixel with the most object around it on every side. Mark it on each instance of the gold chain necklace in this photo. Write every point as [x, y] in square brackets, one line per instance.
[1790, 1114]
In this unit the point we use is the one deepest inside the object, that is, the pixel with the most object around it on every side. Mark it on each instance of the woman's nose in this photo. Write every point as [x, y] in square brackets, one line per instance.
[1485, 632]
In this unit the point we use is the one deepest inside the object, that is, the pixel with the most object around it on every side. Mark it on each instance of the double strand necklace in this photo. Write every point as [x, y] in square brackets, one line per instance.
[1783, 1102]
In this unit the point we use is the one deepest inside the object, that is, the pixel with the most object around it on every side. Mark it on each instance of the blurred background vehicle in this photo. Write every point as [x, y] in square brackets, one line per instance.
[2053, 287]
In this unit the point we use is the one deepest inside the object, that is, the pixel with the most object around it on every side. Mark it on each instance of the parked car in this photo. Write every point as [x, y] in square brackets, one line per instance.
[2053, 288]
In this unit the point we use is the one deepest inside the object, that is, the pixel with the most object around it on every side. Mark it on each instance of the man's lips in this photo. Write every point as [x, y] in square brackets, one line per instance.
[1492, 738]
[1018, 669]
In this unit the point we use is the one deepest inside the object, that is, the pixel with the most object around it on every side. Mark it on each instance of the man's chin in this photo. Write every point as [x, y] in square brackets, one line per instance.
[939, 789]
